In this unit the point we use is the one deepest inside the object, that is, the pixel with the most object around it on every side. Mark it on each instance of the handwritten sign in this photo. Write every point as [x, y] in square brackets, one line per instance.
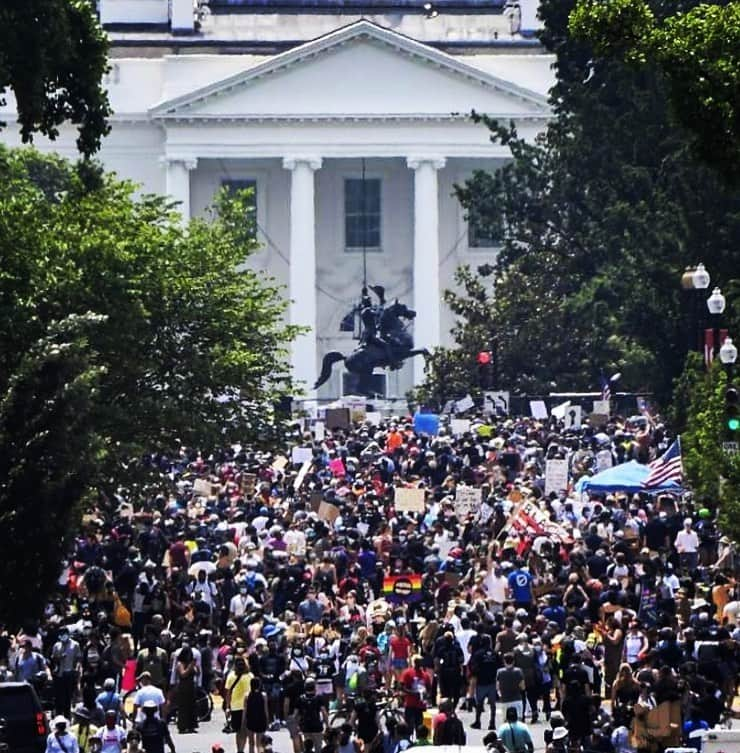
[409, 500]
[467, 500]
[602, 406]
[556, 476]
[465, 403]
[374, 417]
[302, 474]
[202, 487]
[319, 431]
[328, 512]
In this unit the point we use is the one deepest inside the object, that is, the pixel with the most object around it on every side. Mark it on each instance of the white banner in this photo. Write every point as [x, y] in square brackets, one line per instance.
[556, 476]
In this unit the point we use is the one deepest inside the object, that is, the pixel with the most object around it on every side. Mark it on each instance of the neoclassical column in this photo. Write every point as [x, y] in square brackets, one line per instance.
[178, 181]
[302, 273]
[427, 295]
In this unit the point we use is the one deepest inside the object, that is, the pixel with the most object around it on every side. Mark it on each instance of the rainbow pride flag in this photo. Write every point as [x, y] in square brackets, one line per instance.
[402, 589]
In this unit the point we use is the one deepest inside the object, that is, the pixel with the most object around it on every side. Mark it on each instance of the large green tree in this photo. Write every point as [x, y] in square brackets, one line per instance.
[696, 49]
[597, 220]
[48, 459]
[53, 55]
[188, 343]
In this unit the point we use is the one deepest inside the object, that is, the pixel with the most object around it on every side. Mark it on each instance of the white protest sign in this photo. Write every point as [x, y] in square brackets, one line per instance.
[485, 513]
[202, 487]
[556, 476]
[467, 500]
[601, 406]
[496, 402]
[319, 431]
[459, 426]
[538, 409]
[301, 474]
[465, 403]
[573, 417]
[559, 410]
[374, 417]
[409, 500]
[604, 460]
[300, 455]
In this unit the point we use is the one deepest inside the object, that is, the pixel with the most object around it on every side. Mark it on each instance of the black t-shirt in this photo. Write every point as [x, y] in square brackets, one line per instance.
[309, 708]
[154, 734]
[484, 664]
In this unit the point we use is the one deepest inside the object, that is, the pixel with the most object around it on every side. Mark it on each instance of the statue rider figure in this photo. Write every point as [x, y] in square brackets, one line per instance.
[370, 316]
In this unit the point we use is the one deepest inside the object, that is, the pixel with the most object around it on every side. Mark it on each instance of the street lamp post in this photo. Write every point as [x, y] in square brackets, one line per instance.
[728, 356]
[693, 281]
[716, 305]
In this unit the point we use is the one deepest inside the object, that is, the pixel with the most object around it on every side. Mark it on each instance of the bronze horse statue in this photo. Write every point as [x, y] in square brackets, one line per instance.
[389, 350]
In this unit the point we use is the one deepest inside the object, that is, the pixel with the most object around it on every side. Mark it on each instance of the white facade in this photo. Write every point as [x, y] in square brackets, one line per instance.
[300, 123]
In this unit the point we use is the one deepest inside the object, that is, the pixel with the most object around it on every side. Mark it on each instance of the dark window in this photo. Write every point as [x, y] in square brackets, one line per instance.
[350, 384]
[362, 214]
[483, 235]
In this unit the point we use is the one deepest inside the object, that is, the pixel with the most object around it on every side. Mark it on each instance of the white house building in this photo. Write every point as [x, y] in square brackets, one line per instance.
[349, 119]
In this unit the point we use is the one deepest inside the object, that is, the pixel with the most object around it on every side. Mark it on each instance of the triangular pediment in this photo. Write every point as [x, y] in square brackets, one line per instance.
[362, 70]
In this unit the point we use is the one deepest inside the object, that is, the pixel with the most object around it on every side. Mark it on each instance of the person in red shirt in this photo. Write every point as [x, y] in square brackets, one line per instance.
[416, 683]
[400, 651]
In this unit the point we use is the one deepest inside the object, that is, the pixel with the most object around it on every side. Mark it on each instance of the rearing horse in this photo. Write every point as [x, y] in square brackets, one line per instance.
[363, 360]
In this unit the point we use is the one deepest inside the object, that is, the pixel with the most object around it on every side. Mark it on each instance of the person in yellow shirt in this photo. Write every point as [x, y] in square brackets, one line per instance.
[83, 730]
[236, 689]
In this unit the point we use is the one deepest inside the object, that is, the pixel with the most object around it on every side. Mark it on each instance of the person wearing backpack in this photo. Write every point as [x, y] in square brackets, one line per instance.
[449, 729]
[448, 663]
[514, 734]
[484, 664]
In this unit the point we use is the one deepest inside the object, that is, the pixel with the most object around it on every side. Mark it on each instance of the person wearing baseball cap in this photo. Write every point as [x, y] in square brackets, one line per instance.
[61, 740]
[112, 737]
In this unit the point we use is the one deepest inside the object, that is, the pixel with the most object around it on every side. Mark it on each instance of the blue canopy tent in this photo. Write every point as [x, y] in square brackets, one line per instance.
[627, 477]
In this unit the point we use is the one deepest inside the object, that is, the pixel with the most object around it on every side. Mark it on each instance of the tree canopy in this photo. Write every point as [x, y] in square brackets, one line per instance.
[597, 220]
[696, 49]
[181, 341]
[53, 56]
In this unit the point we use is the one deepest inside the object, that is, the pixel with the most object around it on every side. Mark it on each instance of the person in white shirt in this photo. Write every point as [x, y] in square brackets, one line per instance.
[111, 736]
[147, 692]
[240, 603]
[687, 546]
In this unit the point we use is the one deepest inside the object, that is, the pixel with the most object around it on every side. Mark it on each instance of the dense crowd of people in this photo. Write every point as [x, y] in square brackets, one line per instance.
[300, 597]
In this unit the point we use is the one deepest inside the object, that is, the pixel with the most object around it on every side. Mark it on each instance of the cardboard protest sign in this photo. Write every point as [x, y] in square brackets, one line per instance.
[202, 487]
[299, 455]
[556, 476]
[409, 500]
[538, 409]
[465, 403]
[459, 426]
[328, 512]
[467, 500]
[337, 418]
[598, 420]
[602, 407]
[496, 402]
[279, 463]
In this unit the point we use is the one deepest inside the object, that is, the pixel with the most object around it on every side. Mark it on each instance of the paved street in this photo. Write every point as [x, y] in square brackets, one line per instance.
[210, 733]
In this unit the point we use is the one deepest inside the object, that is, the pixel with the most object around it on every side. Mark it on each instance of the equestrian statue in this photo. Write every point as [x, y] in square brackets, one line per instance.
[384, 341]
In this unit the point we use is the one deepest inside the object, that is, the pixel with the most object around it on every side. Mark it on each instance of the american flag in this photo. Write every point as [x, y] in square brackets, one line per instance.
[606, 390]
[668, 467]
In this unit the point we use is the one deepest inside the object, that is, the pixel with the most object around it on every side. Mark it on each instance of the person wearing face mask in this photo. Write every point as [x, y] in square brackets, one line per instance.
[241, 603]
[66, 660]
